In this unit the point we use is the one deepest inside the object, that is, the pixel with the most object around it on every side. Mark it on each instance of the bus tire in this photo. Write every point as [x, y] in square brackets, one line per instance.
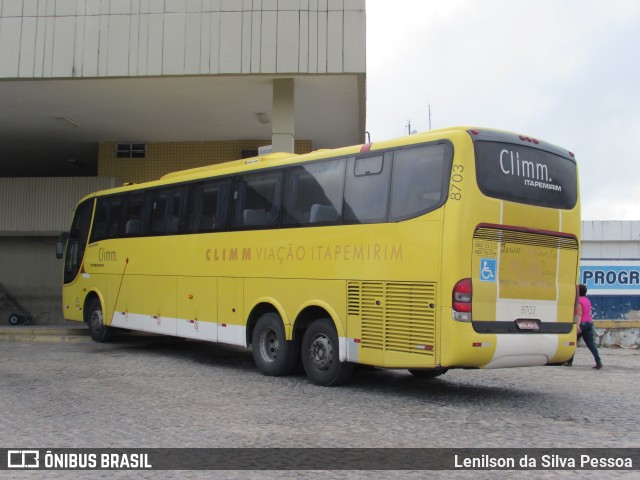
[97, 329]
[272, 353]
[426, 374]
[321, 355]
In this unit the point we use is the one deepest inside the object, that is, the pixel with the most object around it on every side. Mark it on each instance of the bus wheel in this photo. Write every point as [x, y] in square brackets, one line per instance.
[321, 355]
[97, 329]
[272, 353]
[433, 373]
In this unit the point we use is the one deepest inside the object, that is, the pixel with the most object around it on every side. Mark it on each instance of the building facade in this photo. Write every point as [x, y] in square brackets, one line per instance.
[610, 268]
[95, 93]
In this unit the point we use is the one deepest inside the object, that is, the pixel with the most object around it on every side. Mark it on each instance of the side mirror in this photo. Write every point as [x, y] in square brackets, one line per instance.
[61, 244]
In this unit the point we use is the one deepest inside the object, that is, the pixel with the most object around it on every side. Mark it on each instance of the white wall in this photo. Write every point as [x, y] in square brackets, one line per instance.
[32, 274]
[611, 239]
[107, 38]
[37, 206]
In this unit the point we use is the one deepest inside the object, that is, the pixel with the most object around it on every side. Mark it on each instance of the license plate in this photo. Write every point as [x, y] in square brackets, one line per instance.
[527, 324]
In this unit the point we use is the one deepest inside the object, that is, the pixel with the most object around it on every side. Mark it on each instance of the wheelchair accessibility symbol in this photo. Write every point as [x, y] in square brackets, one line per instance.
[488, 269]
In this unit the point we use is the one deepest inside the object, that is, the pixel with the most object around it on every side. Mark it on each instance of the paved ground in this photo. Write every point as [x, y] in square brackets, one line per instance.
[161, 392]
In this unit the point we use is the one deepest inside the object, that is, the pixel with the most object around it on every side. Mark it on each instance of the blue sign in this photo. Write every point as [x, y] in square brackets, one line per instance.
[488, 269]
[607, 278]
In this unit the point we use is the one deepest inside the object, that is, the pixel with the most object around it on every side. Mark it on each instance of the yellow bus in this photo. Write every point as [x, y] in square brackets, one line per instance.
[453, 248]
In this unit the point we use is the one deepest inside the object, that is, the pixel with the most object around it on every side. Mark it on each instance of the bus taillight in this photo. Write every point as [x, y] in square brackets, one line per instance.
[461, 300]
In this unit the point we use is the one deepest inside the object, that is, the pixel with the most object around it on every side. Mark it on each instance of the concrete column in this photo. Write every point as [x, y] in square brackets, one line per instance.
[282, 123]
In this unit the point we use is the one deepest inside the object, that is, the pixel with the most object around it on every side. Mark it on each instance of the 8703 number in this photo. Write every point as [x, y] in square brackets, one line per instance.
[456, 182]
[528, 310]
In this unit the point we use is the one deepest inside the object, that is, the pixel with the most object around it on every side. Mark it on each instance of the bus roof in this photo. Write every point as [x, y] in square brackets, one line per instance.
[283, 158]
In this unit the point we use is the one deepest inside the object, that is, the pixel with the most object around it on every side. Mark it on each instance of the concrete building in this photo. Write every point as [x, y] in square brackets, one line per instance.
[610, 268]
[99, 92]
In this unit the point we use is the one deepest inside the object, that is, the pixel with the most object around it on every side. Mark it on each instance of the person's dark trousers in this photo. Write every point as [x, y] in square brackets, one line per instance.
[586, 332]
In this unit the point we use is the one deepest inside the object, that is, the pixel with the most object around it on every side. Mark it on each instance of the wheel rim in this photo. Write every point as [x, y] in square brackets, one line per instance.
[321, 352]
[269, 345]
[96, 319]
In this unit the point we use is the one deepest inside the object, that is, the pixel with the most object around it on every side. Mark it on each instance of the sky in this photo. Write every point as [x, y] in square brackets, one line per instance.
[563, 71]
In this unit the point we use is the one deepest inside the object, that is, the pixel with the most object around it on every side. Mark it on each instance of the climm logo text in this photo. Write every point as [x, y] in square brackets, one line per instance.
[511, 164]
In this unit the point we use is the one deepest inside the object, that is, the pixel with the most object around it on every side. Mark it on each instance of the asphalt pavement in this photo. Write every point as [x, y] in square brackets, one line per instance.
[156, 392]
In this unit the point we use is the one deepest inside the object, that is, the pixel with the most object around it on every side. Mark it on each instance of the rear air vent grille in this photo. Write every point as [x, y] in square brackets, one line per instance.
[394, 316]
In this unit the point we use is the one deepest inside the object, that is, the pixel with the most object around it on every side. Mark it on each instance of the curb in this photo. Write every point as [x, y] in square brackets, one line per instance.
[44, 333]
[60, 334]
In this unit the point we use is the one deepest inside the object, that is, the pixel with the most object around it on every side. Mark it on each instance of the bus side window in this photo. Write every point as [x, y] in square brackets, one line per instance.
[210, 206]
[177, 221]
[258, 197]
[134, 214]
[314, 193]
[168, 211]
[158, 212]
[420, 180]
[367, 189]
[99, 229]
[116, 210]
[108, 222]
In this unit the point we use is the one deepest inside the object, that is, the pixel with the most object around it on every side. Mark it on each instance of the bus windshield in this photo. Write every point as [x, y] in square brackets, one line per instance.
[525, 174]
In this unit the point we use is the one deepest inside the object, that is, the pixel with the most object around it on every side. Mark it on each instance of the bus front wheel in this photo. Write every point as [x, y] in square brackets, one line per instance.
[321, 355]
[97, 329]
[272, 353]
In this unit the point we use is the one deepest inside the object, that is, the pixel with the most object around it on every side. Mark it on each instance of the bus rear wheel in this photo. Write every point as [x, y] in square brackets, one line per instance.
[97, 329]
[272, 353]
[321, 355]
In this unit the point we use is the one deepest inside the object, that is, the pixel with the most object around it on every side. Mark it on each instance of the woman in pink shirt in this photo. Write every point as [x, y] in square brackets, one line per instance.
[585, 328]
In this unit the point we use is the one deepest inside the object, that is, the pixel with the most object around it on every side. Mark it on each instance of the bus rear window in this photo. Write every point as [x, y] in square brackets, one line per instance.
[524, 174]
